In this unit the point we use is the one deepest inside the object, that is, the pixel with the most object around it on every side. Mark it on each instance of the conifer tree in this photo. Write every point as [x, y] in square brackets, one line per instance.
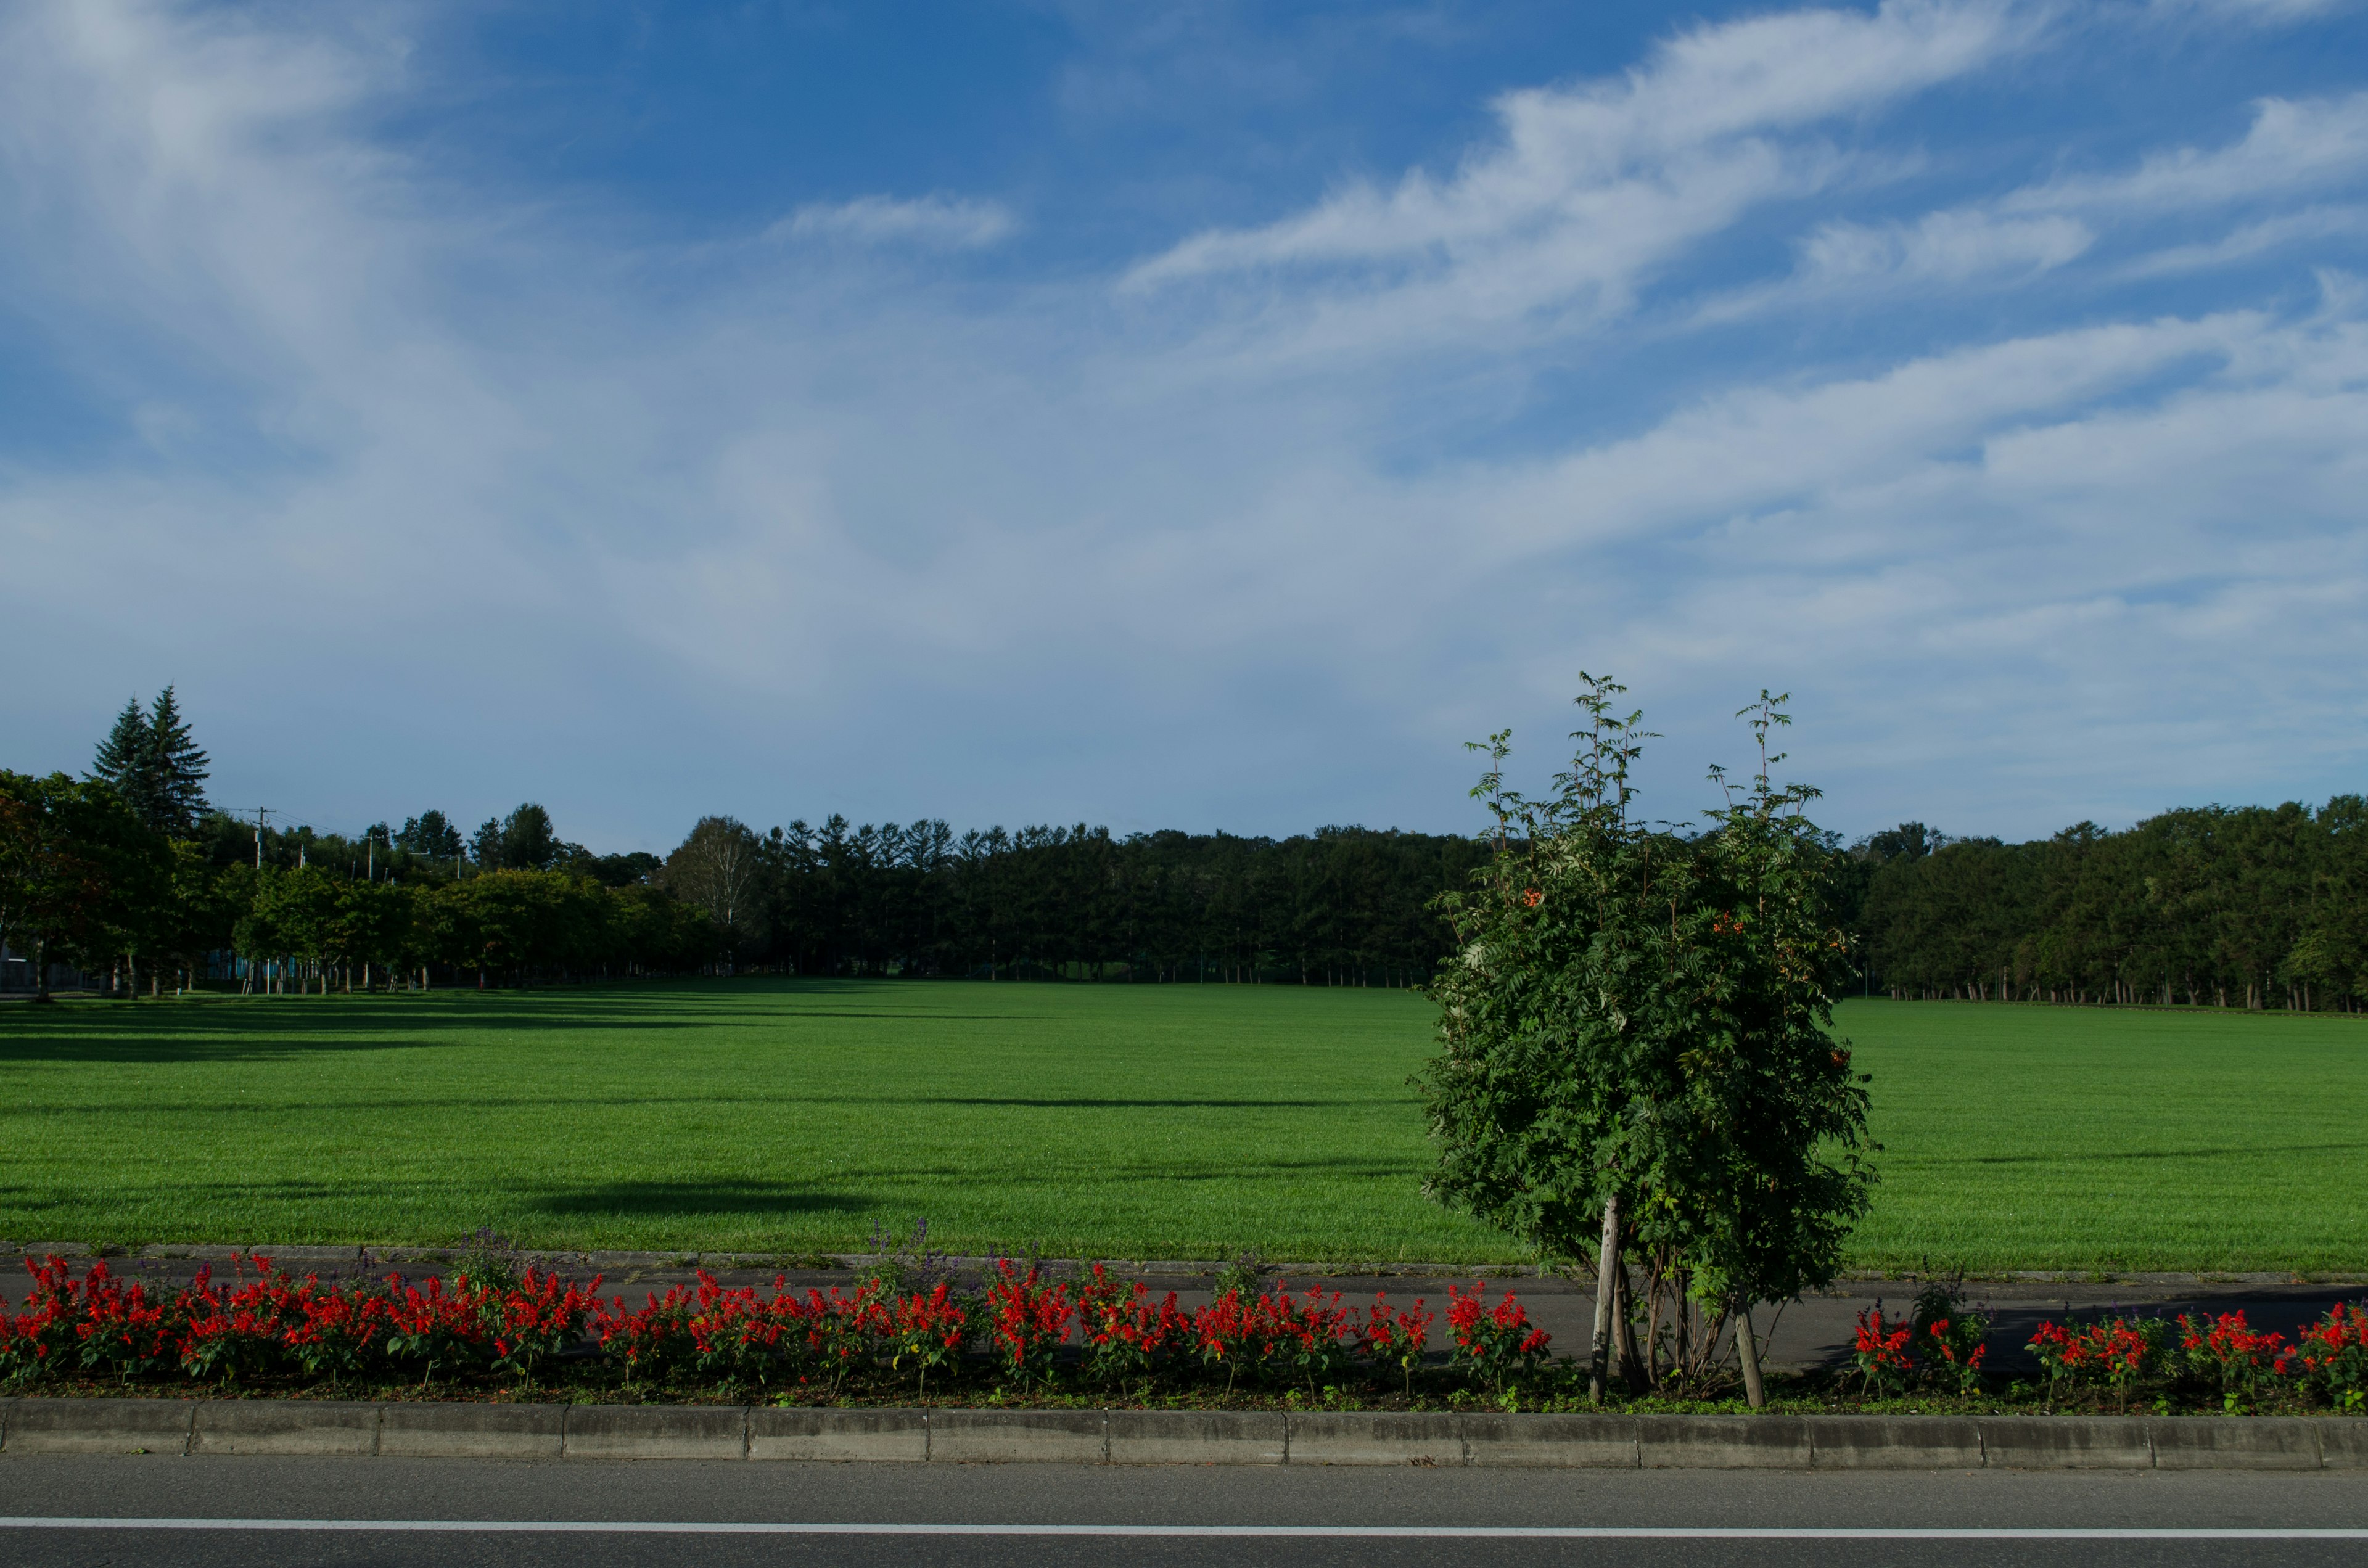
[180, 769]
[126, 760]
[153, 764]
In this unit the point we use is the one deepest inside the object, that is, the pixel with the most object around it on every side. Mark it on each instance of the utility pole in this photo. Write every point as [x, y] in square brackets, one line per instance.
[261, 812]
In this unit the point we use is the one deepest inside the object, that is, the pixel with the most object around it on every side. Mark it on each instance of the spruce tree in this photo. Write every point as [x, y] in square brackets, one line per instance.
[155, 765]
[127, 760]
[180, 769]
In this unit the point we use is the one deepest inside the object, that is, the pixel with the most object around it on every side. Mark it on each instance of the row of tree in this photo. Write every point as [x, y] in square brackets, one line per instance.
[2218, 906]
[85, 883]
[131, 868]
[1344, 905]
[129, 872]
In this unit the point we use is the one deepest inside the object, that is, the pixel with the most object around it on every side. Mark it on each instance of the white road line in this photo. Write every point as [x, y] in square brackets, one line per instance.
[1414, 1532]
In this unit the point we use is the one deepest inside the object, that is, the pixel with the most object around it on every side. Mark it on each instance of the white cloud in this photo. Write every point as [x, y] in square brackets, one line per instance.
[938, 222]
[1942, 247]
[435, 502]
[1941, 251]
[2251, 239]
[1593, 185]
[2292, 144]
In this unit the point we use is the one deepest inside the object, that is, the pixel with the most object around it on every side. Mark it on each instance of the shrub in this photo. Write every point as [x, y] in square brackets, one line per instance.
[1949, 1336]
[1124, 1332]
[538, 1318]
[338, 1334]
[1885, 1351]
[2232, 1356]
[1028, 1320]
[927, 1331]
[1227, 1334]
[2116, 1353]
[1396, 1336]
[2332, 1355]
[843, 1330]
[433, 1327]
[243, 1329]
[1310, 1332]
[103, 1323]
[654, 1339]
[1493, 1344]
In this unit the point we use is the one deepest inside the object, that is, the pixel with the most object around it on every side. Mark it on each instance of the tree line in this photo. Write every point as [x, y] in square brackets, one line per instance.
[128, 874]
[2230, 906]
[1340, 906]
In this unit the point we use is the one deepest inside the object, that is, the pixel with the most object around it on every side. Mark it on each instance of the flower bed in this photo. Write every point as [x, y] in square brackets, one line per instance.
[1028, 1338]
[1024, 1329]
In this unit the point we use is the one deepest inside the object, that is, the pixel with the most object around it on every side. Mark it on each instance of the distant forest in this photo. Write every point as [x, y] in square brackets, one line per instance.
[130, 875]
[2252, 906]
[1343, 906]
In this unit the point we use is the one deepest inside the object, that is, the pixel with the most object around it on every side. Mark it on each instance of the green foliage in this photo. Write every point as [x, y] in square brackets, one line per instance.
[2216, 906]
[430, 837]
[1641, 1013]
[81, 877]
[152, 761]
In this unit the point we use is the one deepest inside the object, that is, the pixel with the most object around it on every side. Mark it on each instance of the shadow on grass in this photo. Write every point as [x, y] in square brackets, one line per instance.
[1081, 1104]
[172, 1048]
[2113, 1157]
[654, 1198]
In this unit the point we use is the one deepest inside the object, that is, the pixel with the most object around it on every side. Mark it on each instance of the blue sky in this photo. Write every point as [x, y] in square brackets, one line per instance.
[1186, 415]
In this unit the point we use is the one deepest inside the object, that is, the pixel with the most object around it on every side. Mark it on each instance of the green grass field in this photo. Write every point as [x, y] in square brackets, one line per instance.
[1152, 1121]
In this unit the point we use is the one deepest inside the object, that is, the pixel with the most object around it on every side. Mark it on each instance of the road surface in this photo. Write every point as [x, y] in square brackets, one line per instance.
[457, 1513]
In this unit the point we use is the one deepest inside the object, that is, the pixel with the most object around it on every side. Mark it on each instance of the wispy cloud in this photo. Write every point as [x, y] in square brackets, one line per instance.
[1592, 186]
[2293, 144]
[943, 222]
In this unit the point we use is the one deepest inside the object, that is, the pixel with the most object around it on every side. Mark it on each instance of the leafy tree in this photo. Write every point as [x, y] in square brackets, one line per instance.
[77, 869]
[716, 869]
[430, 837]
[293, 915]
[1634, 1046]
[371, 925]
[527, 842]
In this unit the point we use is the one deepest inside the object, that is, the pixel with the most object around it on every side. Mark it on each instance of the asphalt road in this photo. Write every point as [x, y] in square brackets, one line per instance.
[1196, 1503]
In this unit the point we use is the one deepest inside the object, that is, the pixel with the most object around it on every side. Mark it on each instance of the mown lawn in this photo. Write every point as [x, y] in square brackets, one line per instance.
[1152, 1121]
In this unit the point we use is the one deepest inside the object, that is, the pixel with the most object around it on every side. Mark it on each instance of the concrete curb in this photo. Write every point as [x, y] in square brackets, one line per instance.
[1177, 1437]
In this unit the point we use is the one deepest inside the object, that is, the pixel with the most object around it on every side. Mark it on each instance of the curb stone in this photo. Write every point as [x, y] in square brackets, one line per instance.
[1580, 1442]
[1895, 1442]
[655, 1432]
[343, 1428]
[407, 1429]
[2065, 1442]
[797, 1432]
[134, 1427]
[2223, 1442]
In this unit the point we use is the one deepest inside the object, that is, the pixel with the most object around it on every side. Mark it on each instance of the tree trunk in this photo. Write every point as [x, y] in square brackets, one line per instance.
[1607, 1269]
[1623, 1331]
[1746, 1342]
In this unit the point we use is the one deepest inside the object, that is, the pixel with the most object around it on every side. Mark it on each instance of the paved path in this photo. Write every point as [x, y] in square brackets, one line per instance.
[1196, 1503]
[1814, 1331]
